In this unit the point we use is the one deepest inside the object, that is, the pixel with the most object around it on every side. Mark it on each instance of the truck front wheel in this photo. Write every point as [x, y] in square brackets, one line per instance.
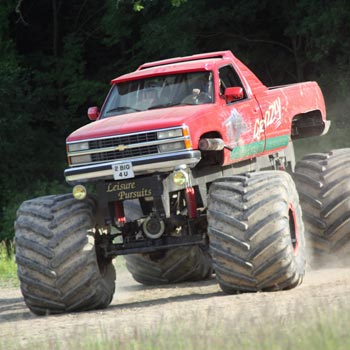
[58, 265]
[256, 232]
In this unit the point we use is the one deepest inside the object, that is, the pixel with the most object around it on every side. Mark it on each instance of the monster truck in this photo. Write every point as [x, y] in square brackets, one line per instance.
[185, 171]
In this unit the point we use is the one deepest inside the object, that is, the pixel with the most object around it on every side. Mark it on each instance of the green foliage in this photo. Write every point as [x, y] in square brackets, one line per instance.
[8, 267]
[317, 31]
[139, 5]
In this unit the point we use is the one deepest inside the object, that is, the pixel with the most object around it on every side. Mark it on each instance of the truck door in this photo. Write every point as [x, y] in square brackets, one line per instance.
[244, 132]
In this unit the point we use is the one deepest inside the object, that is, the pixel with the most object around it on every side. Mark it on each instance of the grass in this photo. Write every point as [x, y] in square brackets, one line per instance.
[325, 332]
[8, 269]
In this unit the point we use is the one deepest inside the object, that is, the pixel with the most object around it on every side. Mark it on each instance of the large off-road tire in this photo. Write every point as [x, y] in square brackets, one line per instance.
[168, 266]
[58, 266]
[323, 182]
[256, 232]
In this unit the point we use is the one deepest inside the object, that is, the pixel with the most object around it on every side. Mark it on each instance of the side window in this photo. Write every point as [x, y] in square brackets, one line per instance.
[228, 78]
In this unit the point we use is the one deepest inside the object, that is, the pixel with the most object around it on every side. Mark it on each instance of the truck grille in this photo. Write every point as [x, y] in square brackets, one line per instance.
[132, 139]
[128, 153]
[123, 140]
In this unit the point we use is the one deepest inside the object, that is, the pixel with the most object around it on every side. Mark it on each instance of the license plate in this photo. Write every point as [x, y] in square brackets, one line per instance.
[123, 171]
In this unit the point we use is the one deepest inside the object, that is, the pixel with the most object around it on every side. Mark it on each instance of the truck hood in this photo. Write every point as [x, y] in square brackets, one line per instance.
[141, 121]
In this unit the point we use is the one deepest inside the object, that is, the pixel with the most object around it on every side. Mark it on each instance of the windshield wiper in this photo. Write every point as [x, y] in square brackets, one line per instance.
[169, 105]
[159, 106]
[122, 108]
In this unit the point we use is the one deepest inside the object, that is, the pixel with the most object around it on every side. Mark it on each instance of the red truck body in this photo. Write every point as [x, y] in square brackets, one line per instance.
[258, 124]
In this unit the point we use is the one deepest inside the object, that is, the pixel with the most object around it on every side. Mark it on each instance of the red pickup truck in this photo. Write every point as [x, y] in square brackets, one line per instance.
[208, 96]
[180, 172]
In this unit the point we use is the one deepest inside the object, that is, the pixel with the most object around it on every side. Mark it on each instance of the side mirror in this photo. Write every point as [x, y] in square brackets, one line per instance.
[234, 94]
[93, 113]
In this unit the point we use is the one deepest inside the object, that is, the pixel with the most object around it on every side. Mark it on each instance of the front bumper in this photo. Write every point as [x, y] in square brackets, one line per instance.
[144, 165]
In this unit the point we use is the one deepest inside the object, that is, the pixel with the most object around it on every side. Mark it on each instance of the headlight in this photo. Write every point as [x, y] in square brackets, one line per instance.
[173, 146]
[167, 134]
[180, 177]
[80, 159]
[79, 146]
[79, 192]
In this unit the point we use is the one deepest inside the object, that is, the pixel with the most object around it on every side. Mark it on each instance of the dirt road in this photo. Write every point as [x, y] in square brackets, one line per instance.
[201, 305]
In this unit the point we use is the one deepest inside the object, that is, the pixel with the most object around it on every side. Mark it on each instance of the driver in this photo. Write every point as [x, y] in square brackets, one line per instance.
[149, 98]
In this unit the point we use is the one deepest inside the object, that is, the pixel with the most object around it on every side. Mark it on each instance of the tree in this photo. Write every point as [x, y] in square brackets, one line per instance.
[57, 58]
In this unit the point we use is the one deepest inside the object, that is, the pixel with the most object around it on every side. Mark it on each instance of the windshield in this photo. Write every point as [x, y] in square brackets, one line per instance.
[159, 92]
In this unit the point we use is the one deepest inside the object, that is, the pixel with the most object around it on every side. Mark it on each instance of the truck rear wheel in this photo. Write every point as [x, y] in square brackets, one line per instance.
[170, 266]
[323, 182]
[58, 266]
[167, 266]
[256, 232]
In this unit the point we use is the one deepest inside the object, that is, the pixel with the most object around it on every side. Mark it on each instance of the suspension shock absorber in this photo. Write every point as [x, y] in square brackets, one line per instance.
[191, 202]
